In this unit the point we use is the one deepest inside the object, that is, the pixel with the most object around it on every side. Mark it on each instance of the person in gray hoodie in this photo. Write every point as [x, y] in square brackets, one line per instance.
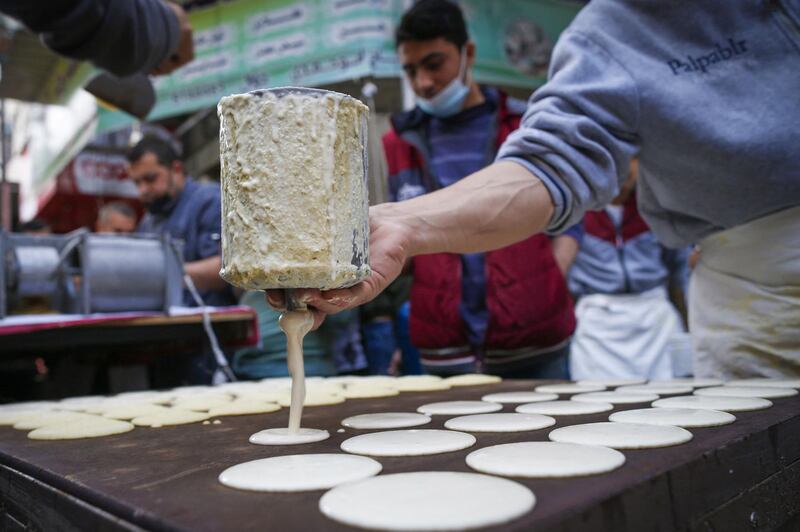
[123, 38]
[706, 95]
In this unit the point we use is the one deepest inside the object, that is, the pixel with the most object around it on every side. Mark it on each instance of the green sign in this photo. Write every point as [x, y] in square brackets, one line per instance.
[251, 44]
[514, 38]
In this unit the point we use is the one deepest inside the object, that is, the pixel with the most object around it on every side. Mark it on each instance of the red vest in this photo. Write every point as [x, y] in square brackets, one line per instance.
[526, 294]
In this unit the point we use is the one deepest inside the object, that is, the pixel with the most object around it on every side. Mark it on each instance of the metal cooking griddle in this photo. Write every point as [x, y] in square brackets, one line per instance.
[727, 478]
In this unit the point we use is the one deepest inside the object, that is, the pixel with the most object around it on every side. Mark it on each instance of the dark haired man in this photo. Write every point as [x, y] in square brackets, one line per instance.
[186, 210]
[507, 310]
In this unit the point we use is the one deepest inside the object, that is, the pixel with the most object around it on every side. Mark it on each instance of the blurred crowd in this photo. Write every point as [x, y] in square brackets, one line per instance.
[599, 298]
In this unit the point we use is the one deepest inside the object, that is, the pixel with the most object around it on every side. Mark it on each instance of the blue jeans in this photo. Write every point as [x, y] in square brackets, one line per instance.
[411, 361]
[383, 337]
[379, 345]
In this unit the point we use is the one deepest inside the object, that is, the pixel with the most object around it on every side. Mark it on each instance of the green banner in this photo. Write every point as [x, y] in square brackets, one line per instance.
[514, 38]
[252, 44]
[249, 44]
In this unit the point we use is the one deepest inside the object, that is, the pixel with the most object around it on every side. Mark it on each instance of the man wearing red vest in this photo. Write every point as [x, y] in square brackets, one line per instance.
[508, 311]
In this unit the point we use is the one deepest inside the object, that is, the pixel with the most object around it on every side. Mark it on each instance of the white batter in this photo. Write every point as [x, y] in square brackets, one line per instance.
[384, 380]
[10, 417]
[80, 404]
[42, 419]
[472, 379]
[367, 391]
[765, 392]
[680, 417]
[73, 430]
[315, 399]
[238, 387]
[128, 412]
[657, 389]
[411, 442]
[611, 383]
[459, 408]
[622, 435]
[726, 404]
[272, 383]
[564, 408]
[519, 397]
[545, 460]
[412, 378]
[173, 416]
[570, 388]
[324, 386]
[779, 383]
[694, 382]
[263, 396]
[282, 436]
[296, 325]
[202, 402]
[11, 413]
[106, 404]
[299, 472]
[191, 389]
[421, 383]
[344, 380]
[431, 500]
[386, 420]
[615, 398]
[147, 396]
[499, 422]
[242, 407]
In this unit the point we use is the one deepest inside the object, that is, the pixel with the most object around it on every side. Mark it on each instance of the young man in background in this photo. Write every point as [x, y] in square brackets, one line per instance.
[506, 312]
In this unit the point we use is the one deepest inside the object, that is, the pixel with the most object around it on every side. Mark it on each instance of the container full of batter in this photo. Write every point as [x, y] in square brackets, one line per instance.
[294, 193]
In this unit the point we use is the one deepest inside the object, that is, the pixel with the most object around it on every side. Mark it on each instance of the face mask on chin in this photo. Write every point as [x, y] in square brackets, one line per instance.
[450, 99]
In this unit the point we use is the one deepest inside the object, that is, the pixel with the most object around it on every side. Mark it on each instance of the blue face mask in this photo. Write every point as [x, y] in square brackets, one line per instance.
[450, 99]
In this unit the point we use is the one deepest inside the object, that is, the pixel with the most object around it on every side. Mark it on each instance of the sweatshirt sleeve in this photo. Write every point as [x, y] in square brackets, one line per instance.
[121, 36]
[575, 231]
[579, 131]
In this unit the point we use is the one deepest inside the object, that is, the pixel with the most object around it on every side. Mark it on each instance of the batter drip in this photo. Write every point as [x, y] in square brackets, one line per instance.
[295, 325]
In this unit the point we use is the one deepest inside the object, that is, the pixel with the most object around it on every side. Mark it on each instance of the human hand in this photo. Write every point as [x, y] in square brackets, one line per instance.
[694, 257]
[185, 51]
[389, 243]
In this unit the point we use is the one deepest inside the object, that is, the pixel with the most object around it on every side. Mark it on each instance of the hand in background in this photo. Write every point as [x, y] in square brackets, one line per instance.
[694, 257]
[185, 51]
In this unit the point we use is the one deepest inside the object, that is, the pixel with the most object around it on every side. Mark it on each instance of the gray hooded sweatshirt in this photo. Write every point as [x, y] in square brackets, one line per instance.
[121, 36]
[706, 92]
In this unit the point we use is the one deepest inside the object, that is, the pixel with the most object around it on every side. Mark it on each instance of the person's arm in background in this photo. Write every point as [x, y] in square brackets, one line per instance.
[569, 155]
[205, 271]
[121, 37]
[677, 264]
[566, 246]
